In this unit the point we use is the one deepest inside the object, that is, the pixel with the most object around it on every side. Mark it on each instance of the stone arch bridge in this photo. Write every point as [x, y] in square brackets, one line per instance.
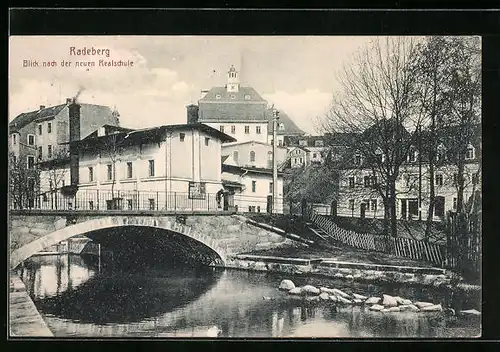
[206, 240]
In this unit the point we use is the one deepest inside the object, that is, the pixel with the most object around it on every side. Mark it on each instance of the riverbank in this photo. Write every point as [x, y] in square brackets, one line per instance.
[351, 271]
[24, 318]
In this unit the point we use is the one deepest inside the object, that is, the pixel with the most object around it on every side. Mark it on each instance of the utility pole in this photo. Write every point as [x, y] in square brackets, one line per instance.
[275, 164]
[419, 173]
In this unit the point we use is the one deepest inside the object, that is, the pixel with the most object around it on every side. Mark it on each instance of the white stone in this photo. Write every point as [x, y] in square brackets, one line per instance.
[405, 307]
[327, 290]
[423, 304]
[295, 291]
[357, 301]
[312, 298]
[406, 302]
[286, 285]
[470, 312]
[310, 289]
[376, 307]
[433, 308]
[343, 300]
[341, 293]
[389, 301]
[324, 296]
[349, 277]
[333, 298]
[361, 297]
[373, 300]
[339, 275]
[399, 300]
[391, 309]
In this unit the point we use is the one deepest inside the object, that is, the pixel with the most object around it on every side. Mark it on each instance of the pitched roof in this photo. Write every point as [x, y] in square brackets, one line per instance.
[289, 127]
[26, 118]
[239, 169]
[244, 94]
[232, 144]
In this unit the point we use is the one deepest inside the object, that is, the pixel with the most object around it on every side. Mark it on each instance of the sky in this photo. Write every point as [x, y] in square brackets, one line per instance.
[297, 74]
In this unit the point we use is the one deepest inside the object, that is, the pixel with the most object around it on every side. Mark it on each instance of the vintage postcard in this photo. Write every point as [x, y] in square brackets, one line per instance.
[245, 186]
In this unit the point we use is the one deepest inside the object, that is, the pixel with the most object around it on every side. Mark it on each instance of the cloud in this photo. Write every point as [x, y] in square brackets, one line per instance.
[303, 107]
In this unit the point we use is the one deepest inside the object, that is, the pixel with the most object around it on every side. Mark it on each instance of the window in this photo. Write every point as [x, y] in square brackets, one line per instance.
[129, 169]
[247, 97]
[207, 140]
[14, 139]
[269, 159]
[49, 127]
[367, 181]
[49, 151]
[91, 204]
[91, 174]
[233, 96]
[357, 159]
[373, 205]
[130, 204]
[109, 171]
[258, 208]
[281, 126]
[151, 204]
[412, 156]
[454, 203]
[221, 128]
[303, 143]
[151, 168]
[441, 153]
[235, 156]
[40, 153]
[233, 129]
[270, 187]
[247, 129]
[251, 208]
[14, 159]
[252, 156]
[280, 142]
[455, 179]
[254, 186]
[257, 129]
[218, 96]
[439, 180]
[318, 143]
[469, 153]
[182, 136]
[40, 129]
[301, 160]
[352, 181]
[31, 162]
[314, 155]
[31, 140]
[351, 204]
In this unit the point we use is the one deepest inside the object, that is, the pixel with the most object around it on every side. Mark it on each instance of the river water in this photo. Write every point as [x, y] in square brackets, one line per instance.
[82, 297]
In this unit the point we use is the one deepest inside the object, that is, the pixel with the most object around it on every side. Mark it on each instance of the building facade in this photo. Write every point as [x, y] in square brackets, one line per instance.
[253, 154]
[358, 196]
[252, 188]
[172, 167]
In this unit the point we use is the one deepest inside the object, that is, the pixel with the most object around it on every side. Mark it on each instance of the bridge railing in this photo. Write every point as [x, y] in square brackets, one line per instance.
[130, 200]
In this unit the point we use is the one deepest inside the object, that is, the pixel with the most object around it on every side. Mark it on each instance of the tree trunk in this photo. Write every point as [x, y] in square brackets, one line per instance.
[461, 186]
[392, 207]
[432, 198]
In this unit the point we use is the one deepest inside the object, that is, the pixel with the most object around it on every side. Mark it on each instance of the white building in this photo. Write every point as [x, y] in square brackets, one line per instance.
[253, 154]
[161, 168]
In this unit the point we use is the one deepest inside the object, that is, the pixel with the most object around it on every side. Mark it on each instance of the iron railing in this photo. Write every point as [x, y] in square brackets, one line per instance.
[131, 200]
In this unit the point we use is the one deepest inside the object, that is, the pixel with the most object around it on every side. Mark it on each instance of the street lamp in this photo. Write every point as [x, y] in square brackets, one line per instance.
[275, 165]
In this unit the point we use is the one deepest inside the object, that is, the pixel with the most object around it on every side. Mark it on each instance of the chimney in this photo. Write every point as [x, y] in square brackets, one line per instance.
[74, 135]
[203, 93]
[69, 100]
[42, 107]
[192, 113]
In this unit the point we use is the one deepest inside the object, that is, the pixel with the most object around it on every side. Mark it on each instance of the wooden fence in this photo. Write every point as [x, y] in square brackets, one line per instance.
[464, 232]
[403, 247]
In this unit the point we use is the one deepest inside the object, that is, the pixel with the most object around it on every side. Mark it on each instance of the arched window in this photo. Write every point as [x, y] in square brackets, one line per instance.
[252, 156]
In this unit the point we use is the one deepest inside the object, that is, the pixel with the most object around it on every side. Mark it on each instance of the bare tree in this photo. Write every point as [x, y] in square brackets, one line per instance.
[53, 174]
[24, 181]
[377, 103]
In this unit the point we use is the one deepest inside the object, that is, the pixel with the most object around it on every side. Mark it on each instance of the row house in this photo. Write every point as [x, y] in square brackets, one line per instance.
[358, 196]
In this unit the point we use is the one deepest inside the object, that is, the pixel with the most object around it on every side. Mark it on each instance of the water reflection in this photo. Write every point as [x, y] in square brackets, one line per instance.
[78, 300]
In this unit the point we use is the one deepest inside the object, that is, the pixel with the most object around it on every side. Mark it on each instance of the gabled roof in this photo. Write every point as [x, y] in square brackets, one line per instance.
[220, 94]
[26, 118]
[108, 130]
[233, 169]
[132, 136]
[232, 144]
[289, 127]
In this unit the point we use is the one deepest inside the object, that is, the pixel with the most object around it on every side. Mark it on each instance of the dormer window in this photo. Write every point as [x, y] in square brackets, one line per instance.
[470, 152]
[303, 143]
[412, 156]
[218, 96]
[233, 96]
[248, 97]
[281, 126]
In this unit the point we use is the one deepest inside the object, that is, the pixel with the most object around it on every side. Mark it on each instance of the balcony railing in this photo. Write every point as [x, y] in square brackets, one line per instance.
[95, 200]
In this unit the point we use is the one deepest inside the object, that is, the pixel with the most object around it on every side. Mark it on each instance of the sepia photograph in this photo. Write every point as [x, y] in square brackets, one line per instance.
[173, 186]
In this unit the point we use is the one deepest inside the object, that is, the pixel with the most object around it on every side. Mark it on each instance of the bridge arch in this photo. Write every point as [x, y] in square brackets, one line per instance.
[216, 254]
